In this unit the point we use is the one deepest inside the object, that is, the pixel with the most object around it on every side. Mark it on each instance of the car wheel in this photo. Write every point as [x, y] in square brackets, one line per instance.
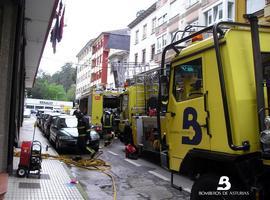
[21, 172]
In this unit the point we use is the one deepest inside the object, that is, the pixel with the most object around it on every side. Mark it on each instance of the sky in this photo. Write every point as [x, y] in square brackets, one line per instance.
[84, 20]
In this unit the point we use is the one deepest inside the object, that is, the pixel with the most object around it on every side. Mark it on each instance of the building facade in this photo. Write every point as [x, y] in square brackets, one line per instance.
[24, 29]
[104, 45]
[157, 26]
[261, 8]
[143, 41]
[118, 69]
[36, 104]
[93, 69]
[84, 58]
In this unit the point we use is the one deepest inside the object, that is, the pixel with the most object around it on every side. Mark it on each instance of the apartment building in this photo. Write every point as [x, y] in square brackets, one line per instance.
[118, 69]
[143, 41]
[168, 17]
[84, 70]
[105, 44]
[261, 8]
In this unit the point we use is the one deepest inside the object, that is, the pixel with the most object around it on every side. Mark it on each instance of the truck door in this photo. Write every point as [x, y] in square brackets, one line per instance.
[97, 108]
[186, 113]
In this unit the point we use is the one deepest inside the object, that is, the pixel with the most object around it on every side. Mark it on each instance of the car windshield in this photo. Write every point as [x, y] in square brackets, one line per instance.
[70, 122]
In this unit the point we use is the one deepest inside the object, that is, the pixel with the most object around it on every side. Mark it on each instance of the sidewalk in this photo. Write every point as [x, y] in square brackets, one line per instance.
[55, 176]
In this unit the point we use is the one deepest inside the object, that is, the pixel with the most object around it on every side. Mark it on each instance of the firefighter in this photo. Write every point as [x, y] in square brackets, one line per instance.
[107, 125]
[83, 126]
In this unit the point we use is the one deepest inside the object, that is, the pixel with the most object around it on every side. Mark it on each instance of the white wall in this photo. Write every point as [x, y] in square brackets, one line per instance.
[143, 43]
[83, 74]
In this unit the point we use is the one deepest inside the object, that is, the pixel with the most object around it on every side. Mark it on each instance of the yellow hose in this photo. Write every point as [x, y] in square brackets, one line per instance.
[89, 164]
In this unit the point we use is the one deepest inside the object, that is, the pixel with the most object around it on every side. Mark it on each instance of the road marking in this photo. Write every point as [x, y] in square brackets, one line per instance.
[159, 175]
[113, 153]
[132, 162]
[187, 190]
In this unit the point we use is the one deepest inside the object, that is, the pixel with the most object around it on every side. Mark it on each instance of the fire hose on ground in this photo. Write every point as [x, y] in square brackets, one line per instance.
[85, 163]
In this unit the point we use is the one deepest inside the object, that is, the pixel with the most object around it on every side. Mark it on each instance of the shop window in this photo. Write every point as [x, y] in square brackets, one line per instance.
[188, 80]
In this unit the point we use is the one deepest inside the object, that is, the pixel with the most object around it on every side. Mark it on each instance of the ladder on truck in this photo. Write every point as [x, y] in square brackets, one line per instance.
[139, 94]
[147, 84]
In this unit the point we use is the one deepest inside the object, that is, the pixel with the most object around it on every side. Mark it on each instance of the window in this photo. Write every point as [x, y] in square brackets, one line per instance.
[254, 6]
[137, 37]
[188, 80]
[154, 21]
[164, 40]
[144, 31]
[152, 52]
[159, 44]
[230, 11]
[213, 15]
[136, 58]
[143, 55]
[218, 12]
[162, 19]
[208, 17]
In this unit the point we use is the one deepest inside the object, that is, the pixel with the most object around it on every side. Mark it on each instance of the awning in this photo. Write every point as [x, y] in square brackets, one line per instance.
[38, 19]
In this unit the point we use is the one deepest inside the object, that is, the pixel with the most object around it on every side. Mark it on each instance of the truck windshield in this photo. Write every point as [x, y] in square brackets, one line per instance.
[188, 80]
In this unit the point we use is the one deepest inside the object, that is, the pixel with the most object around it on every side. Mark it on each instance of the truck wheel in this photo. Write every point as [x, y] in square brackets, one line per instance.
[205, 188]
[21, 172]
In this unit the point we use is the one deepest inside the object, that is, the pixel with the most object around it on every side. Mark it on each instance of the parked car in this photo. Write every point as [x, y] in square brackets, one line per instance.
[27, 113]
[45, 116]
[64, 133]
[40, 115]
[48, 122]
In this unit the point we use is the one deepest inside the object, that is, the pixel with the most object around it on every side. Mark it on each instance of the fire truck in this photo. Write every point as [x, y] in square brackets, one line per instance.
[215, 102]
[138, 110]
[99, 101]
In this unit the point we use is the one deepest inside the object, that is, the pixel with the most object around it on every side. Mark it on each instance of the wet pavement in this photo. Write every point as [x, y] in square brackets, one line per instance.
[135, 179]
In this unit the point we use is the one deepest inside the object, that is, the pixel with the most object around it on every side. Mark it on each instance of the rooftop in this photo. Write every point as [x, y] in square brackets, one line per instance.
[142, 16]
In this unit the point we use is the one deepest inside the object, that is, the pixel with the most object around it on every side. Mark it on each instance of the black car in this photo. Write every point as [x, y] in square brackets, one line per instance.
[64, 133]
[40, 115]
[48, 122]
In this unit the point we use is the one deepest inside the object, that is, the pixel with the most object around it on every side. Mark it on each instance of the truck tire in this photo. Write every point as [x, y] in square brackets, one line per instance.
[208, 183]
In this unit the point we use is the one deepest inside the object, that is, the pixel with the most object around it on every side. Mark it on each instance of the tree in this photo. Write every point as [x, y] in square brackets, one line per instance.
[71, 93]
[59, 86]
[56, 92]
[65, 77]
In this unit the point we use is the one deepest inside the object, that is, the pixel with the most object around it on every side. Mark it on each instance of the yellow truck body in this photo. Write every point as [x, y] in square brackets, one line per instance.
[217, 124]
[240, 85]
[97, 103]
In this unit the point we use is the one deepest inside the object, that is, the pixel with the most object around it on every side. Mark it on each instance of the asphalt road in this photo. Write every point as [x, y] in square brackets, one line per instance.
[135, 179]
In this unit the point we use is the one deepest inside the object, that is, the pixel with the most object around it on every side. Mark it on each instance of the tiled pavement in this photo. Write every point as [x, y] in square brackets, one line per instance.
[55, 177]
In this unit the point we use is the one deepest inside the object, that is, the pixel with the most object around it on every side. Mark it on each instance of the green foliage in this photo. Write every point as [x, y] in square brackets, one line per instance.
[59, 86]
[71, 93]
